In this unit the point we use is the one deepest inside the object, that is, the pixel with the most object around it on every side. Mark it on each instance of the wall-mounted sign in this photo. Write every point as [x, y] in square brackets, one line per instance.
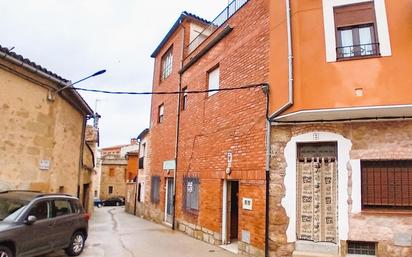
[169, 165]
[44, 164]
[190, 186]
[229, 159]
[247, 203]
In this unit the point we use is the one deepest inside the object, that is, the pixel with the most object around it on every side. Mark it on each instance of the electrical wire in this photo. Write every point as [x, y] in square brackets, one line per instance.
[169, 93]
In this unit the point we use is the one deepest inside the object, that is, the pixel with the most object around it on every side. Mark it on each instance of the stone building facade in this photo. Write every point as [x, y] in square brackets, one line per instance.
[43, 133]
[340, 151]
[114, 176]
[116, 171]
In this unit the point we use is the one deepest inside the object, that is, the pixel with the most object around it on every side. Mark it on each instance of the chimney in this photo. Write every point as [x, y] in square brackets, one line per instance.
[133, 141]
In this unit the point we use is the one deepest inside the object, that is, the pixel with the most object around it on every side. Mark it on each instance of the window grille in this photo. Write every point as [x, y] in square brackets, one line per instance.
[191, 194]
[386, 184]
[365, 248]
[155, 189]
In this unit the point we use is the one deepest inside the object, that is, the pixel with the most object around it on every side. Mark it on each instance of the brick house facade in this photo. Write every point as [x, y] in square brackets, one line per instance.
[339, 134]
[211, 128]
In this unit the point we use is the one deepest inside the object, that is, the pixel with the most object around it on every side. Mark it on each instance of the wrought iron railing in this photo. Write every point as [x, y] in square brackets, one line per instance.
[357, 50]
[228, 12]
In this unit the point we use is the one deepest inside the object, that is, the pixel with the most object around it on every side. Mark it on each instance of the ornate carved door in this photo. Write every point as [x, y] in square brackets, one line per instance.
[317, 192]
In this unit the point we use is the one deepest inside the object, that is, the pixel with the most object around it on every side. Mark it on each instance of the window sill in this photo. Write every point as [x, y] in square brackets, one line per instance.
[357, 58]
[191, 212]
[386, 212]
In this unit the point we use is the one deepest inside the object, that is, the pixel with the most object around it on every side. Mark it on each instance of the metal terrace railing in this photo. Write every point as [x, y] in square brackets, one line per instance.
[228, 12]
[357, 50]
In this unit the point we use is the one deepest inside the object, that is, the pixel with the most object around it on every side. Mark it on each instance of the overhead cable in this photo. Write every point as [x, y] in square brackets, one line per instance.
[169, 92]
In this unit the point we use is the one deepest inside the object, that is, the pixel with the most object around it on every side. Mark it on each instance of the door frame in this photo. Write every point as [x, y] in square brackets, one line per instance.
[166, 197]
[289, 200]
[226, 230]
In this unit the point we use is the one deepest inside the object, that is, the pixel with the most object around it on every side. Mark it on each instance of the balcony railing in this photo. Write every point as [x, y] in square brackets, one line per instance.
[357, 51]
[228, 12]
[141, 163]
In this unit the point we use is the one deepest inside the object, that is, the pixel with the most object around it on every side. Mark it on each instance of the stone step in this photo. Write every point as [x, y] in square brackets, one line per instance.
[312, 254]
[320, 247]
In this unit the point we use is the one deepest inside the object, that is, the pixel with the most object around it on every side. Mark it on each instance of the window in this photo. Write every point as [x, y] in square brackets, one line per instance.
[213, 80]
[191, 194]
[184, 98]
[111, 172]
[143, 152]
[167, 63]
[110, 190]
[365, 248]
[155, 190]
[61, 208]
[356, 31]
[40, 210]
[386, 184]
[161, 113]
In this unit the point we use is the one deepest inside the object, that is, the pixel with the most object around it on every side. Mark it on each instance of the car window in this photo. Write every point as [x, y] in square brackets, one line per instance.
[61, 207]
[11, 208]
[40, 210]
[76, 206]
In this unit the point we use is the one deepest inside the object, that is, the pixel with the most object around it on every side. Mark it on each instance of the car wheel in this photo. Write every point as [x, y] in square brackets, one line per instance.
[76, 244]
[117, 204]
[99, 205]
[5, 252]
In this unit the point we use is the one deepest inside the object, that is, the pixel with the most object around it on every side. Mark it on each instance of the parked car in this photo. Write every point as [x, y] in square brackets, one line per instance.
[114, 201]
[97, 202]
[33, 223]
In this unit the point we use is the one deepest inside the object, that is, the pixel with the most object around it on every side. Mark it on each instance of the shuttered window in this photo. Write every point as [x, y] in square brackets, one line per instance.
[191, 194]
[155, 189]
[387, 184]
[356, 30]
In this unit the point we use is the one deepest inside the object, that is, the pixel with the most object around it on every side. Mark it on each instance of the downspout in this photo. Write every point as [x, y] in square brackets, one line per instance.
[290, 64]
[289, 103]
[177, 129]
[267, 172]
[137, 180]
[81, 157]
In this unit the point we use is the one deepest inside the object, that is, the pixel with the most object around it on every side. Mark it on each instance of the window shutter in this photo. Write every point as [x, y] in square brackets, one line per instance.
[354, 14]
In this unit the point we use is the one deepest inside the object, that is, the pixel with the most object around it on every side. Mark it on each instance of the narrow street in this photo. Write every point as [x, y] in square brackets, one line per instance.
[113, 232]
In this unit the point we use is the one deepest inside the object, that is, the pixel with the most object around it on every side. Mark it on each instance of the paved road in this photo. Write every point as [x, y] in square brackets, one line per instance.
[114, 233]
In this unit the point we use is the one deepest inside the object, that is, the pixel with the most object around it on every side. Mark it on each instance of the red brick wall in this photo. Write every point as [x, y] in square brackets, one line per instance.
[211, 126]
[228, 121]
[163, 135]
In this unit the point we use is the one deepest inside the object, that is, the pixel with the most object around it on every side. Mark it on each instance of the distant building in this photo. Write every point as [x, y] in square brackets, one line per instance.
[42, 145]
[114, 169]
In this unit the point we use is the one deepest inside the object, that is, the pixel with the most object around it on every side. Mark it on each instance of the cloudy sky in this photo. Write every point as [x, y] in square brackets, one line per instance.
[76, 38]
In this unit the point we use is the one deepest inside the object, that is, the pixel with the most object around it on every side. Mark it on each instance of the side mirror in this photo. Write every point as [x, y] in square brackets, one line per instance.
[30, 220]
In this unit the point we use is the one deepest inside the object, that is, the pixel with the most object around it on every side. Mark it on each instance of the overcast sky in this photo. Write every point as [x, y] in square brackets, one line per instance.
[75, 38]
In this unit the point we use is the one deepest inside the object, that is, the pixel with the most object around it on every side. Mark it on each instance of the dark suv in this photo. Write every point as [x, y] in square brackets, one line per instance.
[32, 223]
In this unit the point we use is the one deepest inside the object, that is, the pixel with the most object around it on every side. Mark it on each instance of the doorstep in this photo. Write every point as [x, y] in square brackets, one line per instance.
[232, 247]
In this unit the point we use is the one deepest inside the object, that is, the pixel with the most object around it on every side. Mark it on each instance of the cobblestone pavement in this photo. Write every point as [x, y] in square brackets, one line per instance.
[114, 233]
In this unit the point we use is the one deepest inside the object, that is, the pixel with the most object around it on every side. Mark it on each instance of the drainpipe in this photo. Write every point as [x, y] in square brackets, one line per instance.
[267, 171]
[289, 103]
[79, 173]
[290, 64]
[177, 129]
